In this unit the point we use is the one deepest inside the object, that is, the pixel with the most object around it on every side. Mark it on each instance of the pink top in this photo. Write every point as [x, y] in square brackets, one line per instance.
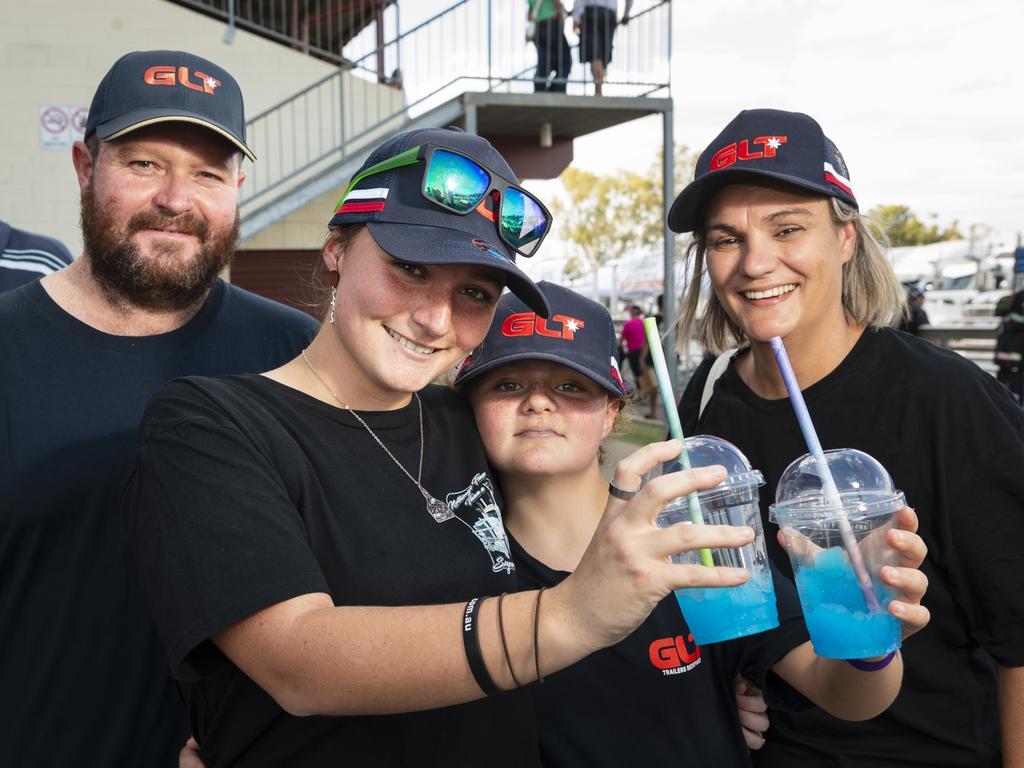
[633, 334]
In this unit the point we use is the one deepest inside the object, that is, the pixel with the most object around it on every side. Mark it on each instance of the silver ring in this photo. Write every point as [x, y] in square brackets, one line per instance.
[620, 493]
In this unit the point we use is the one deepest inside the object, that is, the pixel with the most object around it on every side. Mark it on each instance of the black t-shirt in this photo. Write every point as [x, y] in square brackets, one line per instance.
[657, 698]
[953, 441]
[247, 493]
[85, 679]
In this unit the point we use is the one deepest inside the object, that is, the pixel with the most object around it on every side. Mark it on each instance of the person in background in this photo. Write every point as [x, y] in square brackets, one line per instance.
[595, 21]
[634, 342]
[25, 256]
[778, 235]
[553, 54]
[543, 403]
[915, 316]
[650, 380]
[81, 351]
[1009, 357]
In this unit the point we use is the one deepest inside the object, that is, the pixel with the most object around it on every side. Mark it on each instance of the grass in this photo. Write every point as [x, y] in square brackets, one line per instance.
[641, 433]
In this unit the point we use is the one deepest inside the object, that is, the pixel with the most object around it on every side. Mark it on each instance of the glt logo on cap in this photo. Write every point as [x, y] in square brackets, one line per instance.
[161, 75]
[579, 334]
[787, 147]
[146, 88]
[530, 323]
[730, 153]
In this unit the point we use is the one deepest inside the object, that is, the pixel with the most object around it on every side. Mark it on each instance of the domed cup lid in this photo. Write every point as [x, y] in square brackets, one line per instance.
[865, 489]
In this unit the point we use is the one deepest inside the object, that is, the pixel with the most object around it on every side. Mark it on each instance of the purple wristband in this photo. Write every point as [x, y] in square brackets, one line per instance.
[872, 666]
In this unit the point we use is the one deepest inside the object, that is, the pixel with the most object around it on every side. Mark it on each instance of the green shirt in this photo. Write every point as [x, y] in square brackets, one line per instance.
[546, 9]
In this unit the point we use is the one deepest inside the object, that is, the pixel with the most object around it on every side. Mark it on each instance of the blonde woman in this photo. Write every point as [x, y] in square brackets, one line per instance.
[778, 234]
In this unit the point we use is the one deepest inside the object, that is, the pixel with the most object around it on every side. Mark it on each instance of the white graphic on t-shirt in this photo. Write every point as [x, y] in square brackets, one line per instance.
[476, 508]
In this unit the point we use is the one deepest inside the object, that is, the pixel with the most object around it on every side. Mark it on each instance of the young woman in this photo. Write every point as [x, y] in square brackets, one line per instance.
[320, 540]
[777, 233]
[545, 395]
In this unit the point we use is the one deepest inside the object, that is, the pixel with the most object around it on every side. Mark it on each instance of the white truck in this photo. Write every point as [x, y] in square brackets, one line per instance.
[968, 288]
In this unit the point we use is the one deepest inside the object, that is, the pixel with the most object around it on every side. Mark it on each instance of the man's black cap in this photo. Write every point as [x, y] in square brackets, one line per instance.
[148, 87]
[785, 146]
[579, 334]
[411, 228]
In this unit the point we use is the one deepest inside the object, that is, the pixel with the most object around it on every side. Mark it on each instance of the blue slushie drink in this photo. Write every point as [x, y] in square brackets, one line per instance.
[840, 623]
[724, 613]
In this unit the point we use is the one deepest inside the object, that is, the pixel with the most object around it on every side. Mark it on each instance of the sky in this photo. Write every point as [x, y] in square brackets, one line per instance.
[924, 99]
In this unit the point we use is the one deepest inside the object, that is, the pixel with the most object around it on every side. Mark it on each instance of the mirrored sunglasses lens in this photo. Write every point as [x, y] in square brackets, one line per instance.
[455, 181]
[523, 222]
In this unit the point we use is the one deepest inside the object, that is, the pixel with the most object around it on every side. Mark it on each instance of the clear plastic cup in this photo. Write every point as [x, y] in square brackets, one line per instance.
[715, 614]
[835, 607]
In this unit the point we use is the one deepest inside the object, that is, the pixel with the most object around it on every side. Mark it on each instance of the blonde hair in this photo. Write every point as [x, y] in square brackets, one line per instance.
[872, 294]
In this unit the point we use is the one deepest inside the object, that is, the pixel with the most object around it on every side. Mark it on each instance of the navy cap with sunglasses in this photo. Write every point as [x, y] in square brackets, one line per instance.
[579, 334]
[443, 196]
[785, 146]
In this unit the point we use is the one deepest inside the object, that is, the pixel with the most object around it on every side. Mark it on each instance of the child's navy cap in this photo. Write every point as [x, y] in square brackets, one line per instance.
[579, 334]
[148, 87]
[786, 146]
[411, 228]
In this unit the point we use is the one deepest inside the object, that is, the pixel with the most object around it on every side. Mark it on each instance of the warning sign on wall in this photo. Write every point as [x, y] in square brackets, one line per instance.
[60, 126]
[78, 118]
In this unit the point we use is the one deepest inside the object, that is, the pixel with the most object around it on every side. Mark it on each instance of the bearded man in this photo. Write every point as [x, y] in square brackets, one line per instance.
[85, 679]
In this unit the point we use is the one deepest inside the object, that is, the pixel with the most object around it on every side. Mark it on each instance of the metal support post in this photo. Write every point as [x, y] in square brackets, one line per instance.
[669, 301]
[229, 33]
[378, 20]
[490, 46]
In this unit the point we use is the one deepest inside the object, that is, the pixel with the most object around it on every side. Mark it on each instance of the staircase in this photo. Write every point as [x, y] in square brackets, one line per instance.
[467, 64]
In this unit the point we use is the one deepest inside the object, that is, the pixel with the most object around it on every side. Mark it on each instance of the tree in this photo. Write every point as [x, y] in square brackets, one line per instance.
[902, 227]
[604, 216]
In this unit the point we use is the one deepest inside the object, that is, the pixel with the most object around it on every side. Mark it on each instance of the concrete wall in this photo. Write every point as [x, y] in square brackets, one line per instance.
[54, 52]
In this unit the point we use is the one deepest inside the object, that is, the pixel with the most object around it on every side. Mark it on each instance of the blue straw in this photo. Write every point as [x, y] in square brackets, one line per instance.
[803, 417]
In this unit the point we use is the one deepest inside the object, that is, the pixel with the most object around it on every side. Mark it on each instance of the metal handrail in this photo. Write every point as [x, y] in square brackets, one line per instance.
[337, 115]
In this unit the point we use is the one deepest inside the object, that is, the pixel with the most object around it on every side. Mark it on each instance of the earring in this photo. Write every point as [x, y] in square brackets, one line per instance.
[333, 276]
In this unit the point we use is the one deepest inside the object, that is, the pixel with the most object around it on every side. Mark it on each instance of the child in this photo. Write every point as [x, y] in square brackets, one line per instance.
[545, 394]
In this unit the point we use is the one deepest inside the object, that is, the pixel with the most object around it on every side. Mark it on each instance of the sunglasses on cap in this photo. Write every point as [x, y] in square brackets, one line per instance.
[459, 184]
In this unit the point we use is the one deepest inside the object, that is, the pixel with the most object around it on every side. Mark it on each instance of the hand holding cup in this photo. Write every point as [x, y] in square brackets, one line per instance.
[905, 577]
[626, 571]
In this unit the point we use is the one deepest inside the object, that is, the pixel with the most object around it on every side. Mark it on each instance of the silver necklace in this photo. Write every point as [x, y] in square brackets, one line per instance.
[438, 509]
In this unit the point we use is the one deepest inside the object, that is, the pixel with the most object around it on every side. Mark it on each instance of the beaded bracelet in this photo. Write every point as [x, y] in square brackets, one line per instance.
[872, 666]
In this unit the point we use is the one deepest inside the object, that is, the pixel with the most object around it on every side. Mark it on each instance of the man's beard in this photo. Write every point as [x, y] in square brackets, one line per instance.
[156, 282]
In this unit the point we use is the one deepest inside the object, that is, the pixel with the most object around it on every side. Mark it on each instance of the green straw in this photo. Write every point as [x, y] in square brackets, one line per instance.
[668, 402]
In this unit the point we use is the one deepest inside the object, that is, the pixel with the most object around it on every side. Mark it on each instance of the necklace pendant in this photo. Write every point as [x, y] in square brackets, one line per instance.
[438, 509]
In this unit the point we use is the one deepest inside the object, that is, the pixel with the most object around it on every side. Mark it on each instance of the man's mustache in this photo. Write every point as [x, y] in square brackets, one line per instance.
[187, 224]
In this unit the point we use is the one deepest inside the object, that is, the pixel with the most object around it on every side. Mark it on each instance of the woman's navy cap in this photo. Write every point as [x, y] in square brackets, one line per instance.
[578, 334]
[785, 146]
[148, 87]
[410, 228]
